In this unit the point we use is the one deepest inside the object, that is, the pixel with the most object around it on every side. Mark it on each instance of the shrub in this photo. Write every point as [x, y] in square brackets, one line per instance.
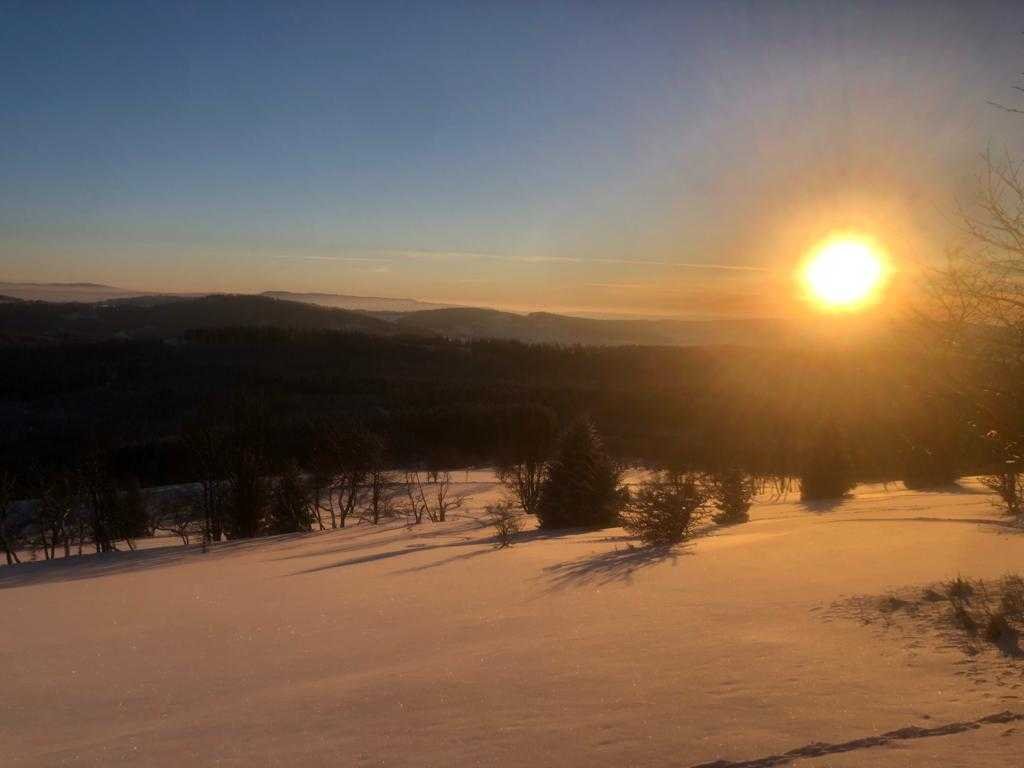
[506, 524]
[1009, 487]
[732, 492]
[664, 510]
[826, 473]
[581, 485]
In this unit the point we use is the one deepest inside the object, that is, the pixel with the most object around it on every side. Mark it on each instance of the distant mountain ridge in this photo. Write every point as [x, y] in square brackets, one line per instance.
[165, 319]
[110, 312]
[66, 292]
[362, 303]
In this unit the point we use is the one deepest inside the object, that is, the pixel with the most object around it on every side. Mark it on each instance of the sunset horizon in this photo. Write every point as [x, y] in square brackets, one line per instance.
[512, 383]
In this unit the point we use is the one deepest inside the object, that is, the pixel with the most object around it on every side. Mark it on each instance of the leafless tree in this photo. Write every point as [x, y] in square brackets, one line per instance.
[433, 499]
[204, 438]
[56, 513]
[524, 459]
[10, 530]
[415, 506]
[445, 499]
[523, 481]
[973, 312]
[179, 513]
[380, 495]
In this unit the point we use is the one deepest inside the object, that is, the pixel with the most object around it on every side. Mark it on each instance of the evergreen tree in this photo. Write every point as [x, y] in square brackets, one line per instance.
[732, 491]
[581, 484]
[665, 509]
[827, 471]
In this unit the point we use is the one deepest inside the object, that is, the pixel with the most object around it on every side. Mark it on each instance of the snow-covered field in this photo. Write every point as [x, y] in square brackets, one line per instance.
[429, 647]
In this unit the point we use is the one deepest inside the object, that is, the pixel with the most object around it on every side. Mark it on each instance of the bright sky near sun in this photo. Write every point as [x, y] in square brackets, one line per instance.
[653, 158]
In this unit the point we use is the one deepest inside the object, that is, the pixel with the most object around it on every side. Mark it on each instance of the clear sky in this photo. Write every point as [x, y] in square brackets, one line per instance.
[670, 158]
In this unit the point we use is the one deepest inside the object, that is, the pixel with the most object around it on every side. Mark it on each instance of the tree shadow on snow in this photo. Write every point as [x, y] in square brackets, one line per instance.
[92, 566]
[409, 549]
[824, 506]
[616, 565]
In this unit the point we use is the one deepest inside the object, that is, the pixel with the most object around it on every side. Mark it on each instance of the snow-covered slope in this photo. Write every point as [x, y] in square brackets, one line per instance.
[428, 647]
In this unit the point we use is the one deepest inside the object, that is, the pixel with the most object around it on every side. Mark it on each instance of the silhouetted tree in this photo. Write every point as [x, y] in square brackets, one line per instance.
[99, 498]
[356, 452]
[290, 509]
[10, 529]
[128, 511]
[523, 459]
[826, 472]
[179, 512]
[56, 512]
[581, 484]
[246, 465]
[973, 315]
[380, 486]
[204, 437]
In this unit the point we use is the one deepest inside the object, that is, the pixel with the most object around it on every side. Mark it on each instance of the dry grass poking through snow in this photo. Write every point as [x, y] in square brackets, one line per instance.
[975, 615]
[982, 619]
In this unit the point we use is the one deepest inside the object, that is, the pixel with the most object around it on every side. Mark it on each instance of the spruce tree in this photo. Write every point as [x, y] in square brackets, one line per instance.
[581, 484]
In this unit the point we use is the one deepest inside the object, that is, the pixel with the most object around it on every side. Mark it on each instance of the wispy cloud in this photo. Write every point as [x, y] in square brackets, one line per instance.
[633, 287]
[352, 259]
[393, 255]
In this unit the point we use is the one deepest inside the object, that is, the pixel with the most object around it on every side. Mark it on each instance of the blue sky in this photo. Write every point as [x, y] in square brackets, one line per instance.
[578, 156]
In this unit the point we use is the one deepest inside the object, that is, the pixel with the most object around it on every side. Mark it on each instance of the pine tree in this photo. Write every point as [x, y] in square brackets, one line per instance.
[732, 491]
[581, 484]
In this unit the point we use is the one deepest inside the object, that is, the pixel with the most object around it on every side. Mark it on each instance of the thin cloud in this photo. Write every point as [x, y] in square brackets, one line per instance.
[425, 255]
[632, 287]
[353, 259]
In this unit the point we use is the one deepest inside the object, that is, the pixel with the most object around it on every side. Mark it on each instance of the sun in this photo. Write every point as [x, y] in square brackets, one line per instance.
[845, 273]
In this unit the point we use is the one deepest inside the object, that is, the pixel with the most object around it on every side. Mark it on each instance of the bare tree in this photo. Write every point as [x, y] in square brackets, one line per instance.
[523, 481]
[203, 437]
[415, 506]
[10, 530]
[179, 513]
[444, 498]
[973, 313]
[380, 494]
[435, 499]
[524, 460]
[56, 513]
[354, 469]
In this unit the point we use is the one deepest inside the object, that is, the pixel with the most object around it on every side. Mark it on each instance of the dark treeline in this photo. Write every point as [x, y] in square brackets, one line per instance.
[453, 404]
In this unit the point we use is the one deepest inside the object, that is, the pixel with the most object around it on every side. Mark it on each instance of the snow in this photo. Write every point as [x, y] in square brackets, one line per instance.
[390, 646]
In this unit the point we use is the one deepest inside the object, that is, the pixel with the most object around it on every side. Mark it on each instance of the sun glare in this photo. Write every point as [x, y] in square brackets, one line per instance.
[845, 273]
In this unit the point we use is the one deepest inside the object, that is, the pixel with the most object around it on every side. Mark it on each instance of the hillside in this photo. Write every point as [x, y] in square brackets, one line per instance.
[161, 318]
[122, 314]
[546, 327]
[66, 292]
[425, 646]
[361, 303]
